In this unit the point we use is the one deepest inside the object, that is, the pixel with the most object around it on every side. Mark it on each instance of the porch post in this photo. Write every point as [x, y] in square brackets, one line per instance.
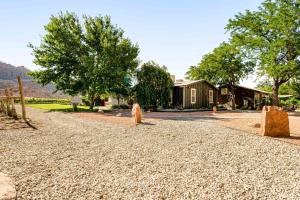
[183, 97]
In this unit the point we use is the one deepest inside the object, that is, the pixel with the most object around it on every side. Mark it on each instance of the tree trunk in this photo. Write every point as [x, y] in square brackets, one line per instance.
[233, 97]
[92, 102]
[275, 89]
[118, 100]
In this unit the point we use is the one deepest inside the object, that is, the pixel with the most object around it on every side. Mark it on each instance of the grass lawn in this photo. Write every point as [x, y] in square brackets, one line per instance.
[60, 107]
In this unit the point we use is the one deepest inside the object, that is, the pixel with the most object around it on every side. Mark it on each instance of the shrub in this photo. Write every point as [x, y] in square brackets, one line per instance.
[120, 106]
[31, 100]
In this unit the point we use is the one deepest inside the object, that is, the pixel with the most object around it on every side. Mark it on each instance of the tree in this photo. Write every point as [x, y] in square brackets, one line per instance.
[291, 87]
[271, 37]
[154, 86]
[89, 58]
[223, 66]
[295, 86]
[123, 88]
[265, 85]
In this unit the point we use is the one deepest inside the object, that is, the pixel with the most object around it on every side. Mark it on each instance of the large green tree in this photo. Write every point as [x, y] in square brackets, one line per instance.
[271, 37]
[154, 86]
[223, 66]
[90, 58]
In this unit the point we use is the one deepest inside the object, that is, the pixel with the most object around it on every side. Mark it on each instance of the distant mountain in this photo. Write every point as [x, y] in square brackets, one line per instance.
[8, 74]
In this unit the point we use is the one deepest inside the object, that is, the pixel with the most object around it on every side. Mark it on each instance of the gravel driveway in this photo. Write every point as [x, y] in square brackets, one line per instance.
[73, 158]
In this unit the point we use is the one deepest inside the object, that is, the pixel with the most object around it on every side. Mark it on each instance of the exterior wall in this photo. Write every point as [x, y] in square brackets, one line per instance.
[114, 101]
[240, 95]
[202, 95]
[177, 100]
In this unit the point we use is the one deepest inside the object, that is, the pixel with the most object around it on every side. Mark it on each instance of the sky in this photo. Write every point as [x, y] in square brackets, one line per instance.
[171, 32]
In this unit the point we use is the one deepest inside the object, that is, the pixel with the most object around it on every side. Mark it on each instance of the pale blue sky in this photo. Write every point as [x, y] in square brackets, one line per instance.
[171, 32]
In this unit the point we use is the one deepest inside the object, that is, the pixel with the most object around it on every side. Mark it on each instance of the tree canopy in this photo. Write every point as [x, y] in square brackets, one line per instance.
[271, 37]
[154, 86]
[291, 87]
[90, 58]
[223, 66]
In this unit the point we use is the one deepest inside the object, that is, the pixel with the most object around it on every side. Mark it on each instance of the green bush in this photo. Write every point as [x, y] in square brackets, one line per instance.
[46, 101]
[120, 106]
[290, 102]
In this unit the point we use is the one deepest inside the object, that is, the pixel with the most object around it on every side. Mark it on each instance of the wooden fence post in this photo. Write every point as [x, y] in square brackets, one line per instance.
[8, 110]
[1, 106]
[22, 97]
[12, 102]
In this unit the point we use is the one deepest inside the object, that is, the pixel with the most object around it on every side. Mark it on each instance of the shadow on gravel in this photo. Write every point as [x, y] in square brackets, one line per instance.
[148, 124]
[9, 123]
[291, 137]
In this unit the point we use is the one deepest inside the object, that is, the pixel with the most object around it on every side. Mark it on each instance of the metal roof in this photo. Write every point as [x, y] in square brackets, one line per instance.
[248, 88]
[190, 82]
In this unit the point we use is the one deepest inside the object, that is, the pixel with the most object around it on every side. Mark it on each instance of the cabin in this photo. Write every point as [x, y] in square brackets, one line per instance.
[245, 98]
[198, 94]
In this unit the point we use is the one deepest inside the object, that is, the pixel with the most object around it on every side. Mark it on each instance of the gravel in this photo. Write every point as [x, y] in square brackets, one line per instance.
[73, 158]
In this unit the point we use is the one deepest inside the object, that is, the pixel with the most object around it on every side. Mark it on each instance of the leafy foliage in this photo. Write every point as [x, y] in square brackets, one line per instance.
[120, 106]
[154, 86]
[47, 101]
[89, 59]
[265, 85]
[295, 86]
[223, 66]
[291, 87]
[271, 37]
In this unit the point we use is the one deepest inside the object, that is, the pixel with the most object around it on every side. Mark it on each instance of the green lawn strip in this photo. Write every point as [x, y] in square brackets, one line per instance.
[60, 107]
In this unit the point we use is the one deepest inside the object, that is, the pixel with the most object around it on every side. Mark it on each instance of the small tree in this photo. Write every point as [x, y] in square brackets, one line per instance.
[123, 88]
[271, 36]
[154, 86]
[224, 66]
[90, 59]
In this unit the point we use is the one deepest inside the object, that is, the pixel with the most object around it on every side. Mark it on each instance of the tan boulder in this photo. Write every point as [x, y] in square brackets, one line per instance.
[7, 188]
[275, 122]
[136, 113]
[214, 109]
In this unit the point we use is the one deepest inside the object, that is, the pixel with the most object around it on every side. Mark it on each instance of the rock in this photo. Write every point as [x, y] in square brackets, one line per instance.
[275, 122]
[119, 115]
[137, 113]
[254, 125]
[214, 109]
[7, 188]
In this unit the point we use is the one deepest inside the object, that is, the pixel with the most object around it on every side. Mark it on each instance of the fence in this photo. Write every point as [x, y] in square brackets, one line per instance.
[7, 100]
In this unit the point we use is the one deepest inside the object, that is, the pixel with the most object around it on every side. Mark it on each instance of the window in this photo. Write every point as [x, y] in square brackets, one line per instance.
[245, 103]
[211, 96]
[224, 91]
[193, 95]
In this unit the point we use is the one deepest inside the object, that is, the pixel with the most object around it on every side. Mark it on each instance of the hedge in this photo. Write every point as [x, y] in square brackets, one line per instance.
[46, 101]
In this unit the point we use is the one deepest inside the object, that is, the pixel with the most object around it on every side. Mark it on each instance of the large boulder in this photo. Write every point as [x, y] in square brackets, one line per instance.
[275, 122]
[136, 113]
[7, 188]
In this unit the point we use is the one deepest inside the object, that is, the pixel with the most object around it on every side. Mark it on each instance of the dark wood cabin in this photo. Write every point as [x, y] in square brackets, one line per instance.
[245, 98]
[197, 94]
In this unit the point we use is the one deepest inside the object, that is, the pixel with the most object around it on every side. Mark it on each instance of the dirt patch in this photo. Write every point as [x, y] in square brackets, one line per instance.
[241, 123]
